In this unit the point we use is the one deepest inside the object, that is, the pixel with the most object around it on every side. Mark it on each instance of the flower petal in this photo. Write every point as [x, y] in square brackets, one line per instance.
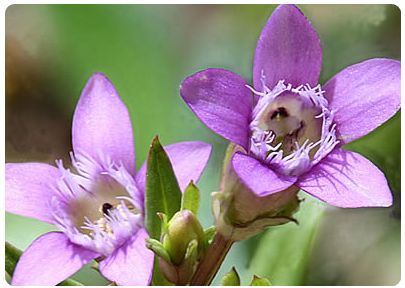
[101, 124]
[288, 49]
[188, 160]
[221, 100]
[347, 179]
[49, 260]
[131, 264]
[29, 189]
[258, 177]
[364, 96]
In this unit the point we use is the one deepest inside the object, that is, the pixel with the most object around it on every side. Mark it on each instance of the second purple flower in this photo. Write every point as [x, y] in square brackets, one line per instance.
[290, 127]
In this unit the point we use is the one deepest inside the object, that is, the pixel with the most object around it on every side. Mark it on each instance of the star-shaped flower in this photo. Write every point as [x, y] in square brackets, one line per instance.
[291, 128]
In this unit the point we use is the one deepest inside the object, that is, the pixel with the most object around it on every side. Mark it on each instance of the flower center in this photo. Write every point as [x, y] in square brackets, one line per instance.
[99, 207]
[107, 198]
[292, 121]
[291, 128]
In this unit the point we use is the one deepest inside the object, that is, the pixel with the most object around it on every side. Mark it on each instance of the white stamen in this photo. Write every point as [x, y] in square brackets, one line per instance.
[297, 161]
[107, 232]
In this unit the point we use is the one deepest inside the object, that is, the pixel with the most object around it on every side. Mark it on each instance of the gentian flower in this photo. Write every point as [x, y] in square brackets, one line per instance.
[292, 129]
[98, 205]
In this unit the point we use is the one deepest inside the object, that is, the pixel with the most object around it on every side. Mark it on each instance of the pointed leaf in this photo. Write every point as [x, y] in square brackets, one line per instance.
[258, 281]
[162, 195]
[231, 278]
[191, 198]
[162, 190]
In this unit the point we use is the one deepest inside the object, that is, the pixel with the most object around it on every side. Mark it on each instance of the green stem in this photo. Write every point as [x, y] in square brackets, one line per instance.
[12, 254]
[212, 260]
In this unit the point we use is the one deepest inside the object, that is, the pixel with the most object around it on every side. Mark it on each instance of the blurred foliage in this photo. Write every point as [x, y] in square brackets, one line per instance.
[282, 254]
[51, 51]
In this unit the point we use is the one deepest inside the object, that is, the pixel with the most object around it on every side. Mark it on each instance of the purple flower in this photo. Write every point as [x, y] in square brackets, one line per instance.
[99, 204]
[292, 128]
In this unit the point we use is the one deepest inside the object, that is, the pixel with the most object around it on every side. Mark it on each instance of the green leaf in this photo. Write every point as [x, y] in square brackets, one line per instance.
[191, 198]
[13, 255]
[163, 193]
[231, 278]
[258, 281]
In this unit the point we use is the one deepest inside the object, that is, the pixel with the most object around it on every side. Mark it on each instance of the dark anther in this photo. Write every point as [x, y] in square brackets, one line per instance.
[106, 208]
[281, 111]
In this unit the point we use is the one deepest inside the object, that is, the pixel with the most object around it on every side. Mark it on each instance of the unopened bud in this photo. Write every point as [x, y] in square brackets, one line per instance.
[183, 228]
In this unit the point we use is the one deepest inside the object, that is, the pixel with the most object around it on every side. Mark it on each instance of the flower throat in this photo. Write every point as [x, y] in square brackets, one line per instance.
[292, 128]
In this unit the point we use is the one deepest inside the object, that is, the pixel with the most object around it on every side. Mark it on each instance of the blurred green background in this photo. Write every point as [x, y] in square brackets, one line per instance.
[146, 50]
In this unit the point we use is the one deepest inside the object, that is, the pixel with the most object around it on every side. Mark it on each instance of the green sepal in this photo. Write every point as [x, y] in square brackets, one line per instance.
[191, 198]
[158, 249]
[231, 278]
[209, 234]
[181, 274]
[260, 281]
[157, 276]
[192, 252]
